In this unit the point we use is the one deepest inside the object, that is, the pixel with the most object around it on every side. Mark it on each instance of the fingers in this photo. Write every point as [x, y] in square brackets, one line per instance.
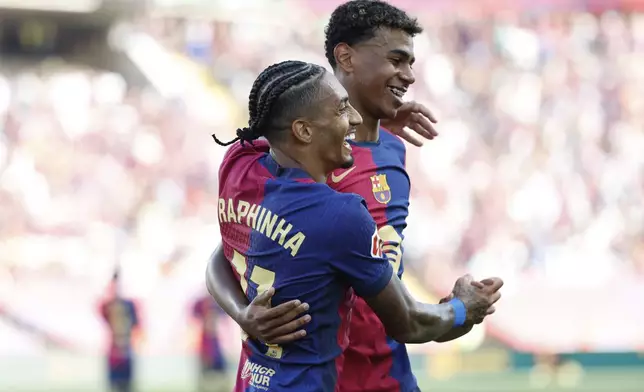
[494, 284]
[288, 332]
[478, 285]
[288, 310]
[426, 112]
[264, 298]
[494, 297]
[291, 337]
[282, 314]
[408, 136]
[490, 310]
[422, 126]
[493, 281]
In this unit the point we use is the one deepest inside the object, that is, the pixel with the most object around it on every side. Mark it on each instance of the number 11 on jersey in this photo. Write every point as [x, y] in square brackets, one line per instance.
[264, 280]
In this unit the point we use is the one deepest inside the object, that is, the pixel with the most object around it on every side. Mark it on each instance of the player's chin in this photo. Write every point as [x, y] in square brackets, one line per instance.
[347, 162]
[389, 107]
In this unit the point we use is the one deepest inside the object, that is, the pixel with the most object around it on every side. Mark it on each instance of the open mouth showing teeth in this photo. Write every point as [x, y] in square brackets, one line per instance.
[397, 91]
[350, 136]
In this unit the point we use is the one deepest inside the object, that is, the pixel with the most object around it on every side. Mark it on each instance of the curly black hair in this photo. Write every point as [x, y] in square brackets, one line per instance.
[280, 93]
[358, 20]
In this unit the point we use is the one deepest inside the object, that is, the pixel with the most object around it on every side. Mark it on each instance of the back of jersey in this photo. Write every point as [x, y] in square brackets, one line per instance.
[276, 227]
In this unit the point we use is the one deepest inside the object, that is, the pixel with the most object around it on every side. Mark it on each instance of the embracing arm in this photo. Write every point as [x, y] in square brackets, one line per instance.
[223, 286]
[273, 325]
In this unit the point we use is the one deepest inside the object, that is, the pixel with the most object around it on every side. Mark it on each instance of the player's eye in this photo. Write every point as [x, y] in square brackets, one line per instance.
[395, 61]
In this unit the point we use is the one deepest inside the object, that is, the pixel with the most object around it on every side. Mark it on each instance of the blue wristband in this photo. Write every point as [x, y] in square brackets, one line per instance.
[460, 313]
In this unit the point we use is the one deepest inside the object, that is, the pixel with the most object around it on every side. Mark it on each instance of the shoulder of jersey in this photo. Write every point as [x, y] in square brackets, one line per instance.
[237, 149]
[387, 137]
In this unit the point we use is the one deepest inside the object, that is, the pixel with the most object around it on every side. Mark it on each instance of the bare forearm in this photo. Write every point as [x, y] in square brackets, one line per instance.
[427, 322]
[223, 285]
[455, 333]
[407, 320]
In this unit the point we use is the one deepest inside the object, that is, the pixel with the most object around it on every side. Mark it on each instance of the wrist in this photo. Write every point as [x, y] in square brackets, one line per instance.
[459, 310]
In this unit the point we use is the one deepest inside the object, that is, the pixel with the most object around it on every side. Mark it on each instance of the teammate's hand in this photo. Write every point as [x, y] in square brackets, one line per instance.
[416, 117]
[478, 297]
[277, 325]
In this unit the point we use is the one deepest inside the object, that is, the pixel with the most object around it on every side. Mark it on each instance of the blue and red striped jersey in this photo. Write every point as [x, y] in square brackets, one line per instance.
[279, 228]
[374, 362]
[121, 317]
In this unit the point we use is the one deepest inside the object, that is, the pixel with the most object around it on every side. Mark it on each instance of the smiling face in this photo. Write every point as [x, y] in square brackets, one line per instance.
[381, 72]
[335, 122]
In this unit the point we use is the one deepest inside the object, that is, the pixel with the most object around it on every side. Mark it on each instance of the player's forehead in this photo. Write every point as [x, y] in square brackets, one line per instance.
[387, 40]
[332, 93]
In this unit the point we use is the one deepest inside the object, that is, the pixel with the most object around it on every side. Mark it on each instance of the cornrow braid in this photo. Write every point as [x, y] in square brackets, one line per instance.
[280, 90]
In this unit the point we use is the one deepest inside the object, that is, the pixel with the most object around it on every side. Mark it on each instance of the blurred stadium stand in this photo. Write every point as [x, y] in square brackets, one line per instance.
[106, 108]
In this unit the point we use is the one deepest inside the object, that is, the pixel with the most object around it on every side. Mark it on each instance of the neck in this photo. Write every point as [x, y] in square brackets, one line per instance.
[300, 161]
[369, 130]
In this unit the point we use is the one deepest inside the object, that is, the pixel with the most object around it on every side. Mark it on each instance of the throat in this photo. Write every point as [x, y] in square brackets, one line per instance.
[303, 162]
[368, 131]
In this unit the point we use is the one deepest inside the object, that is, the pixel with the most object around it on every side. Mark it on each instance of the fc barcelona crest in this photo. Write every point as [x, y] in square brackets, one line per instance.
[380, 188]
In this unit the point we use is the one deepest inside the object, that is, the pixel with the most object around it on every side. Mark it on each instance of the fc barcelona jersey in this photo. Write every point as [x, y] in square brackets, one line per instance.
[280, 228]
[121, 317]
[373, 361]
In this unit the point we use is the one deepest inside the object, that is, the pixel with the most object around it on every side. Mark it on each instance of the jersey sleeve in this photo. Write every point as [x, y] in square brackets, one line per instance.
[357, 254]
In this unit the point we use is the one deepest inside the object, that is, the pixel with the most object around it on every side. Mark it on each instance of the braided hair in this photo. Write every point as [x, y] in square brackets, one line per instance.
[280, 93]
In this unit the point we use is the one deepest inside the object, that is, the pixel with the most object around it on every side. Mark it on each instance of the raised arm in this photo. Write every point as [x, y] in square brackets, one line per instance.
[277, 325]
[359, 260]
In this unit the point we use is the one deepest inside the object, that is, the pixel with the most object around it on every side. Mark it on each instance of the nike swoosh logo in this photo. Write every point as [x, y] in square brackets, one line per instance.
[341, 177]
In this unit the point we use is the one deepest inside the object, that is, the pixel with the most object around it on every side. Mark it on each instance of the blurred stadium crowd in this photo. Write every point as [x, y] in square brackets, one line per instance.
[538, 173]
[539, 163]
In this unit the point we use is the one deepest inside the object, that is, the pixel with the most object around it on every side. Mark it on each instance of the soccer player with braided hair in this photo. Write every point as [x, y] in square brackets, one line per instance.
[290, 237]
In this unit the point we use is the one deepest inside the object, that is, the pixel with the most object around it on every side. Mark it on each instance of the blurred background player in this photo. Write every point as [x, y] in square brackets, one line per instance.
[212, 362]
[121, 317]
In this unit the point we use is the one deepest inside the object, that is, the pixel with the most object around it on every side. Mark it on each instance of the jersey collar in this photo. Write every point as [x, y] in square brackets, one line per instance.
[283, 172]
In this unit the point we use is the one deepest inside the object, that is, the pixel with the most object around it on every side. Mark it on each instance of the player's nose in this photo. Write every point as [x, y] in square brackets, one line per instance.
[407, 76]
[355, 118]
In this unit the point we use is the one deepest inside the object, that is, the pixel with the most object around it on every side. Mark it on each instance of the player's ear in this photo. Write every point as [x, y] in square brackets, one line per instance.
[343, 54]
[302, 131]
